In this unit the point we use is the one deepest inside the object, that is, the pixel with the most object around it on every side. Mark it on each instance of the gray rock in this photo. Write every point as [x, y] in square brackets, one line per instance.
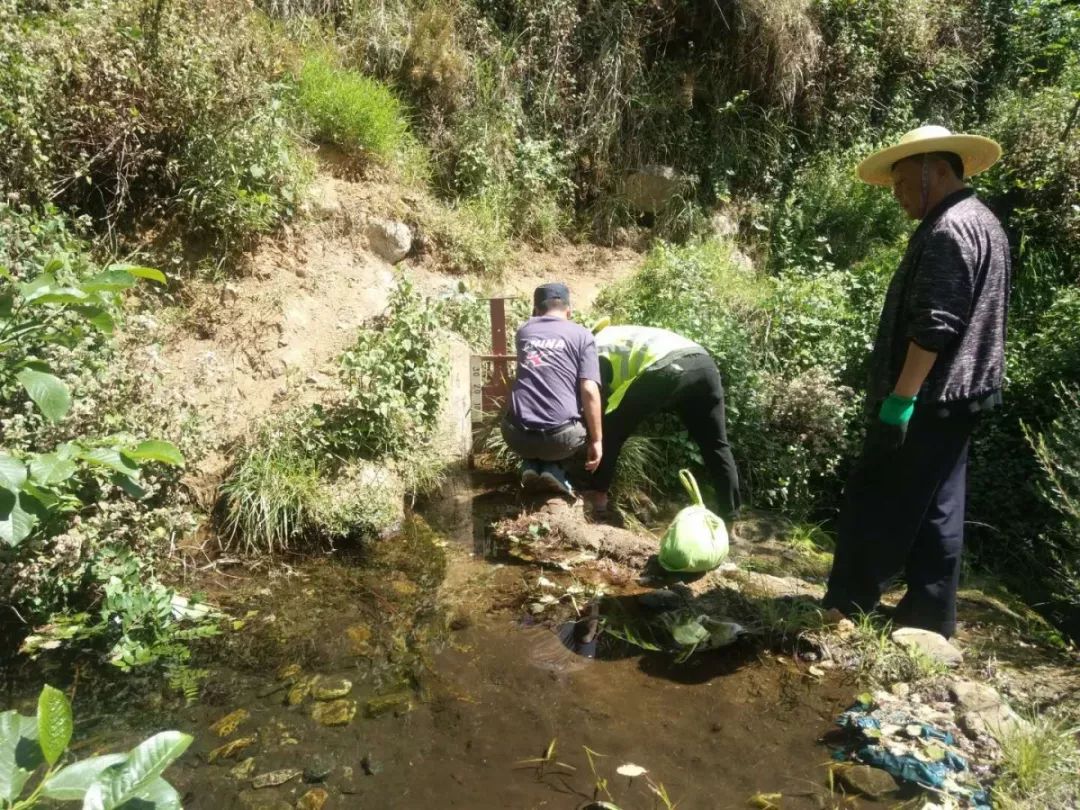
[648, 189]
[873, 783]
[981, 710]
[318, 769]
[389, 239]
[933, 645]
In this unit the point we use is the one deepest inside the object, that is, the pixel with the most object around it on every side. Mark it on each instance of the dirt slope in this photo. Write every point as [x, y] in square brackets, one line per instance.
[270, 338]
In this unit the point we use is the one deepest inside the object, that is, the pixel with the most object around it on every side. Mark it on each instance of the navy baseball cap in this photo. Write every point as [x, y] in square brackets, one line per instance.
[545, 292]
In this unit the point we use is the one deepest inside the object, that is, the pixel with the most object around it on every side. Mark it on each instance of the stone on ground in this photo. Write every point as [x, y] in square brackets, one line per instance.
[325, 688]
[314, 799]
[275, 778]
[244, 770]
[398, 703]
[230, 722]
[231, 749]
[318, 768]
[933, 645]
[981, 710]
[389, 239]
[334, 712]
[873, 783]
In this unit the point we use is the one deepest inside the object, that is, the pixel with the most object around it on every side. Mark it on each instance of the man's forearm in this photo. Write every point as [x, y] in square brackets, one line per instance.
[590, 402]
[917, 366]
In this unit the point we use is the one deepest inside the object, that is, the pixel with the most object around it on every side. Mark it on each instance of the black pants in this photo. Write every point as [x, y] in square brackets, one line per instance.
[691, 387]
[904, 513]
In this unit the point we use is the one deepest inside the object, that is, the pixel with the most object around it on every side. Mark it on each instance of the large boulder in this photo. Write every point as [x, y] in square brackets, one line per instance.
[389, 239]
[648, 189]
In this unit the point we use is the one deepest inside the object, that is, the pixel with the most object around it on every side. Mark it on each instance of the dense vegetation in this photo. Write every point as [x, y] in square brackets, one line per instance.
[173, 134]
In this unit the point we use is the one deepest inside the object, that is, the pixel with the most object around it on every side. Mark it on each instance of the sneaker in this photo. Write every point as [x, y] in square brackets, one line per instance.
[530, 475]
[554, 479]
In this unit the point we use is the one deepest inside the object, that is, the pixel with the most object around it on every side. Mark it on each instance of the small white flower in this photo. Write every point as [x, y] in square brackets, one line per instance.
[631, 770]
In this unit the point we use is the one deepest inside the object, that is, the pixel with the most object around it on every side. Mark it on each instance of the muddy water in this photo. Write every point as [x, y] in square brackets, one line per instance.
[455, 688]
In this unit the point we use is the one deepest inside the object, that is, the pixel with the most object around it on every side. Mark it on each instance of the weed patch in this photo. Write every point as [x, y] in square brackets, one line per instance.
[351, 110]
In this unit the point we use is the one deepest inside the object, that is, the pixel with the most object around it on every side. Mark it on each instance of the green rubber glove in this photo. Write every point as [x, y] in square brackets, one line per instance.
[897, 410]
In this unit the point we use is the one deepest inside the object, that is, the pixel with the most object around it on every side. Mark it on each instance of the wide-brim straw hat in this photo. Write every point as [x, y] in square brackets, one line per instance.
[977, 152]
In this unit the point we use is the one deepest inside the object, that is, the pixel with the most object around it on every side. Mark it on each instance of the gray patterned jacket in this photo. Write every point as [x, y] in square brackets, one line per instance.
[950, 295]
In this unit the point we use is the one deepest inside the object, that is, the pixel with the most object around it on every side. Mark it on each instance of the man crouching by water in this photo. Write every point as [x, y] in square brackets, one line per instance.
[558, 382]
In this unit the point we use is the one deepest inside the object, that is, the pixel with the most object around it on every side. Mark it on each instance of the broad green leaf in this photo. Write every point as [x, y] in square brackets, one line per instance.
[112, 280]
[99, 319]
[4, 272]
[12, 473]
[47, 391]
[137, 773]
[51, 468]
[110, 457]
[11, 778]
[19, 753]
[17, 521]
[130, 486]
[141, 272]
[54, 723]
[71, 783]
[158, 795]
[37, 286]
[58, 295]
[155, 450]
[688, 633]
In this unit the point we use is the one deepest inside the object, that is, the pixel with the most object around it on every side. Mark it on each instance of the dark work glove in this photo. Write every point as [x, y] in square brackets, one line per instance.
[886, 434]
[883, 439]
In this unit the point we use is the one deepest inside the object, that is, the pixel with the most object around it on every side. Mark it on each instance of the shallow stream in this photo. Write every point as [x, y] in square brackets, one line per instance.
[453, 687]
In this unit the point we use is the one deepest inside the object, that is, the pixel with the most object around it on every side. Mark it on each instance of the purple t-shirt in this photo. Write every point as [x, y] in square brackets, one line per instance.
[553, 355]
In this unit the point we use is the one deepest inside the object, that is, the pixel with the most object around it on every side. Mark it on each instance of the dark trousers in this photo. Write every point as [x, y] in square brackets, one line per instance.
[904, 514]
[691, 387]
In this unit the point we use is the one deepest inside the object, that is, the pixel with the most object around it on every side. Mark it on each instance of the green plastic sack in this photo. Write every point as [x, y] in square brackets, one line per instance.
[696, 540]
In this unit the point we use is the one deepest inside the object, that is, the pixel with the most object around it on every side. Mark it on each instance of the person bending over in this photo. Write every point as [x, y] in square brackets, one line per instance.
[646, 371]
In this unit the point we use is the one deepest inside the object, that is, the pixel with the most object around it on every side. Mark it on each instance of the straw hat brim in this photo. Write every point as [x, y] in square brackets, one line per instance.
[977, 152]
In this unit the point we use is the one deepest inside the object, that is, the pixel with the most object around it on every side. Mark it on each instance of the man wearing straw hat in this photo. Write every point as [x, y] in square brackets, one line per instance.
[938, 362]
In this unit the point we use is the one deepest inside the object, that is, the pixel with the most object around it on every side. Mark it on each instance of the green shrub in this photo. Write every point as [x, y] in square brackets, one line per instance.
[351, 110]
[1057, 450]
[701, 293]
[781, 348]
[242, 177]
[134, 119]
[395, 381]
[83, 516]
[814, 225]
[1037, 183]
[798, 441]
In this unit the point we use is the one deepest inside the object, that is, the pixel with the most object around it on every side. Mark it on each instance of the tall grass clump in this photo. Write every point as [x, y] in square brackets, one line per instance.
[351, 110]
[1040, 766]
[271, 495]
[283, 493]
